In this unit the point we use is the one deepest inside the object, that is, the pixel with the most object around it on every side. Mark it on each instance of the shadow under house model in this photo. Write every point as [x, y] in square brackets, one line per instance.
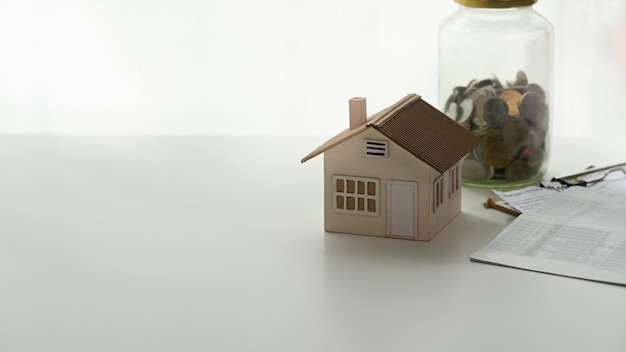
[396, 174]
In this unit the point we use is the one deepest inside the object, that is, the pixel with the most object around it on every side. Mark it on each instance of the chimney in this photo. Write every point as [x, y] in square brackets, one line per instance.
[358, 113]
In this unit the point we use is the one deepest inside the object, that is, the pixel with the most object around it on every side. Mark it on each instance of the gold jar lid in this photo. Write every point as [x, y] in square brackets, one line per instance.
[496, 4]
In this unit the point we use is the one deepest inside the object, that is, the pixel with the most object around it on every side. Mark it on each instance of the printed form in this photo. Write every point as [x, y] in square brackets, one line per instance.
[579, 232]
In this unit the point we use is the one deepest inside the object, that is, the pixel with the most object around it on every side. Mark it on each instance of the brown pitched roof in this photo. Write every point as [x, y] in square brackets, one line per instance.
[419, 128]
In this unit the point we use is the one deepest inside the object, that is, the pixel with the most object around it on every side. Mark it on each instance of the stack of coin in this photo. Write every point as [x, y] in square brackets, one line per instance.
[512, 121]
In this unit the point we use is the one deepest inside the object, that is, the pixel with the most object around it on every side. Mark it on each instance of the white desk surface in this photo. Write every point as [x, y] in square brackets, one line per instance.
[217, 244]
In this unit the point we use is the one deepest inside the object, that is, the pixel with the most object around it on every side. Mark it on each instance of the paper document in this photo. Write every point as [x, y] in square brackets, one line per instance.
[527, 198]
[579, 232]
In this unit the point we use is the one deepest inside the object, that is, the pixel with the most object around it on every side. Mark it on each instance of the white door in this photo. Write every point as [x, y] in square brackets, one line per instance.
[402, 209]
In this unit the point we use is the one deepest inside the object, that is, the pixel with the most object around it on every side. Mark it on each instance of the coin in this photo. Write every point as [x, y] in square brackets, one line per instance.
[479, 110]
[486, 90]
[478, 153]
[535, 158]
[525, 152]
[481, 130]
[466, 109]
[515, 131]
[476, 170]
[536, 138]
[518, 170]
[496, 110]
[494, 135]
[520, 79]
[541, 121]
[529, 105]
[537, 90]
[452, 111]
[484, 83]
[498, 154]
[512, 98]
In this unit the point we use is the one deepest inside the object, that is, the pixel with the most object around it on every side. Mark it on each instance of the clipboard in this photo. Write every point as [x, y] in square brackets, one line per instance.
[592, 177]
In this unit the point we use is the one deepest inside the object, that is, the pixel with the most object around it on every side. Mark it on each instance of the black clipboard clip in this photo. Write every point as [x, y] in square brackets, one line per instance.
[579, 179]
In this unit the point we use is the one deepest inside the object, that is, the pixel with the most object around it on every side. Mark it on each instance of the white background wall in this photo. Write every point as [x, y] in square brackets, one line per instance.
[267, 67]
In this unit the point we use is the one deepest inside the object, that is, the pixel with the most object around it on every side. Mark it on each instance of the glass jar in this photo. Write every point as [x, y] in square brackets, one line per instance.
[495, 78]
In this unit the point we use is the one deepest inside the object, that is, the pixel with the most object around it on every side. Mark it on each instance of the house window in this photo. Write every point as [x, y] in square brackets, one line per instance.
[438, 192]
[375, 148]
[454, 176]
[356, 195]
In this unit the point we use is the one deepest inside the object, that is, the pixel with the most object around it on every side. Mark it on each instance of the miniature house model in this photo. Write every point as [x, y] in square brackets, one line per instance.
[396, 174]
